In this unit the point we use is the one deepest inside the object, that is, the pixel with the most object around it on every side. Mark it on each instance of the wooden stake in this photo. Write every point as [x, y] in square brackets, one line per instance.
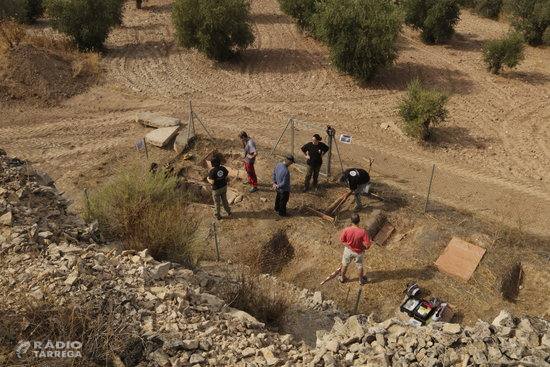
[322, 215]
[336, 203]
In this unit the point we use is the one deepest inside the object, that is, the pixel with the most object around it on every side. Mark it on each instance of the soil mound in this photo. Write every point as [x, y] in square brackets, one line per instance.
[33, 73]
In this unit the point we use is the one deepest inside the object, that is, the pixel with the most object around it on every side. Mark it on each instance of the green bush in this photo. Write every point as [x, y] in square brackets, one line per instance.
[35, 10]
[507, 51]
[422, 109]
[531, 18]
[86, 22]
[302, 10]
[14, 9]
[488, 8]
[144, 210]
[23, 11]
[217, 28]
[546, 37]
[360, 34]
[434, 18]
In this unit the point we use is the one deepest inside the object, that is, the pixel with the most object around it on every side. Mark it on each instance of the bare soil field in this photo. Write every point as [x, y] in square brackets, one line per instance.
[492, 155]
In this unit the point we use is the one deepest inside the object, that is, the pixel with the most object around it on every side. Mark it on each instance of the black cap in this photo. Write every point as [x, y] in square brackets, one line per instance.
[317, 137]
[243, 135]
[289, 158]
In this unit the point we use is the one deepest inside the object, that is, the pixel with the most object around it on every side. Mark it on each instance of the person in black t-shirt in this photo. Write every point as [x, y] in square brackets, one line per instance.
[217, 177]
[314, 153]
[357, 180]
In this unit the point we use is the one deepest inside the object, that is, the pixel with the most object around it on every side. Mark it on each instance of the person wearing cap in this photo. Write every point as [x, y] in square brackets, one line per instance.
[314, 152]
[281, 183]
[357, 241]
[217, 177]
[357, 180]
[250, 154]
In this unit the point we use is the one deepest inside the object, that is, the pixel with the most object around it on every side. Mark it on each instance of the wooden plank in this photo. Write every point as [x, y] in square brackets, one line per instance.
[460, 259]
[384, 233]
[322, 215]
[336, 202]
[339, 204]
[204, 162]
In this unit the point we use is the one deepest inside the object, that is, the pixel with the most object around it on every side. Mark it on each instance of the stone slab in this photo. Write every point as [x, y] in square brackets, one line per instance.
[153, 120]
[460, 259]
[384, 233]
[182, 140]
[161, 137]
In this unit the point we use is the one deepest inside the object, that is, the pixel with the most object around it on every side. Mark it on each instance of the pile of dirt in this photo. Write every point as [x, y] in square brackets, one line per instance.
[32, 73]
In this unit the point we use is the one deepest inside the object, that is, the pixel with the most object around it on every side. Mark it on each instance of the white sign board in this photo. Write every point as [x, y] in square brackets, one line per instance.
[346, 139]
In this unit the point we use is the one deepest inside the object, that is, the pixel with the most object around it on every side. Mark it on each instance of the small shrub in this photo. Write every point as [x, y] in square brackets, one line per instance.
[507, 51]
[434, 18]
[531, 18]
[144, 210]
[86, 22]
[488, 8]
[421, 109]
[217, 28]
[302, 10]
[360, 34]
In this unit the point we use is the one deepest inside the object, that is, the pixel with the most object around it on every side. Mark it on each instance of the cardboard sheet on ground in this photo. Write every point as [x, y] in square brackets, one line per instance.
[460, 259]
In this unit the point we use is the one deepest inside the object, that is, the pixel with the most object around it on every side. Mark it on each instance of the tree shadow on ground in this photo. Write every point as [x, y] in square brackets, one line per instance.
[443, 136]
[272, 61]
[143, 50]
[443, 79]
[528, 77]
[269, 18]
[157, 8]
[465, 42]
[423, 273]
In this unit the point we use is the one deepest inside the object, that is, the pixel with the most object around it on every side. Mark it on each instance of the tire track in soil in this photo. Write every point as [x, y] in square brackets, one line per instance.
[278, 95]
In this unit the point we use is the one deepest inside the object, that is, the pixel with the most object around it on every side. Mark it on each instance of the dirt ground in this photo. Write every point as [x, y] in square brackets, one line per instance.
[492, 156]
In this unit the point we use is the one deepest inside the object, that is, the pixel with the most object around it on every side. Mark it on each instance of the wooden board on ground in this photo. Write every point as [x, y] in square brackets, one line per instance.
[460, 259]
[384, 233]
[322, 215]
[205, 161]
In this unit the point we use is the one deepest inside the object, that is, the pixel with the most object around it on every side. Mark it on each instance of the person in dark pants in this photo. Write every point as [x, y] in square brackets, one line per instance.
[357, 180]
[217, 177]
[314, 152]
[281, 183]
[250, 154]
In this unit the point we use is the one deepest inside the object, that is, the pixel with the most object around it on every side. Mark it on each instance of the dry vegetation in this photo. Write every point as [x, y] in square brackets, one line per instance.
[104, 336]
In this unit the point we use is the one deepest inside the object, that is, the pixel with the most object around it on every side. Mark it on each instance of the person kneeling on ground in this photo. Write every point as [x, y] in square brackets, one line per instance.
[217, 177]
[357, 180]
[314, 152]
[281, 183]
[356, 240]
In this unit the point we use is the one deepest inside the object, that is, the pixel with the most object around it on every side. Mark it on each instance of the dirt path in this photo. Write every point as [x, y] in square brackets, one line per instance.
[492, 156]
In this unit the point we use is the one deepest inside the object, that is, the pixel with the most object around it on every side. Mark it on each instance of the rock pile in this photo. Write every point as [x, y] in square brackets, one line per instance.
[508, 341]
[50, 255]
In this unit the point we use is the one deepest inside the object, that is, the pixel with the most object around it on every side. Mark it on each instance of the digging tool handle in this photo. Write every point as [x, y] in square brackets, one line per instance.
[341, 203]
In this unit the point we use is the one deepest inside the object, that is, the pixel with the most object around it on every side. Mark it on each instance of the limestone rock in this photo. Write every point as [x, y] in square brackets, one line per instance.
[154, 120]
[160, 137]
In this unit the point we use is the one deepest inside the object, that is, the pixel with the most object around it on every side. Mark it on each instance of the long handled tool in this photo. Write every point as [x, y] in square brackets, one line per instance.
[332, 276]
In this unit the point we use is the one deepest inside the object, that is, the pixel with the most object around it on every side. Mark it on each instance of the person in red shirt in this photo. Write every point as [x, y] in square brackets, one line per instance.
[356, 240]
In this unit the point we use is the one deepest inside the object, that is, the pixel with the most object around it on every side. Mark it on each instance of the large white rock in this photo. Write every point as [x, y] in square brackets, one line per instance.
[7, 219]
[161, 137]
[182, 140]
[153, 120]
